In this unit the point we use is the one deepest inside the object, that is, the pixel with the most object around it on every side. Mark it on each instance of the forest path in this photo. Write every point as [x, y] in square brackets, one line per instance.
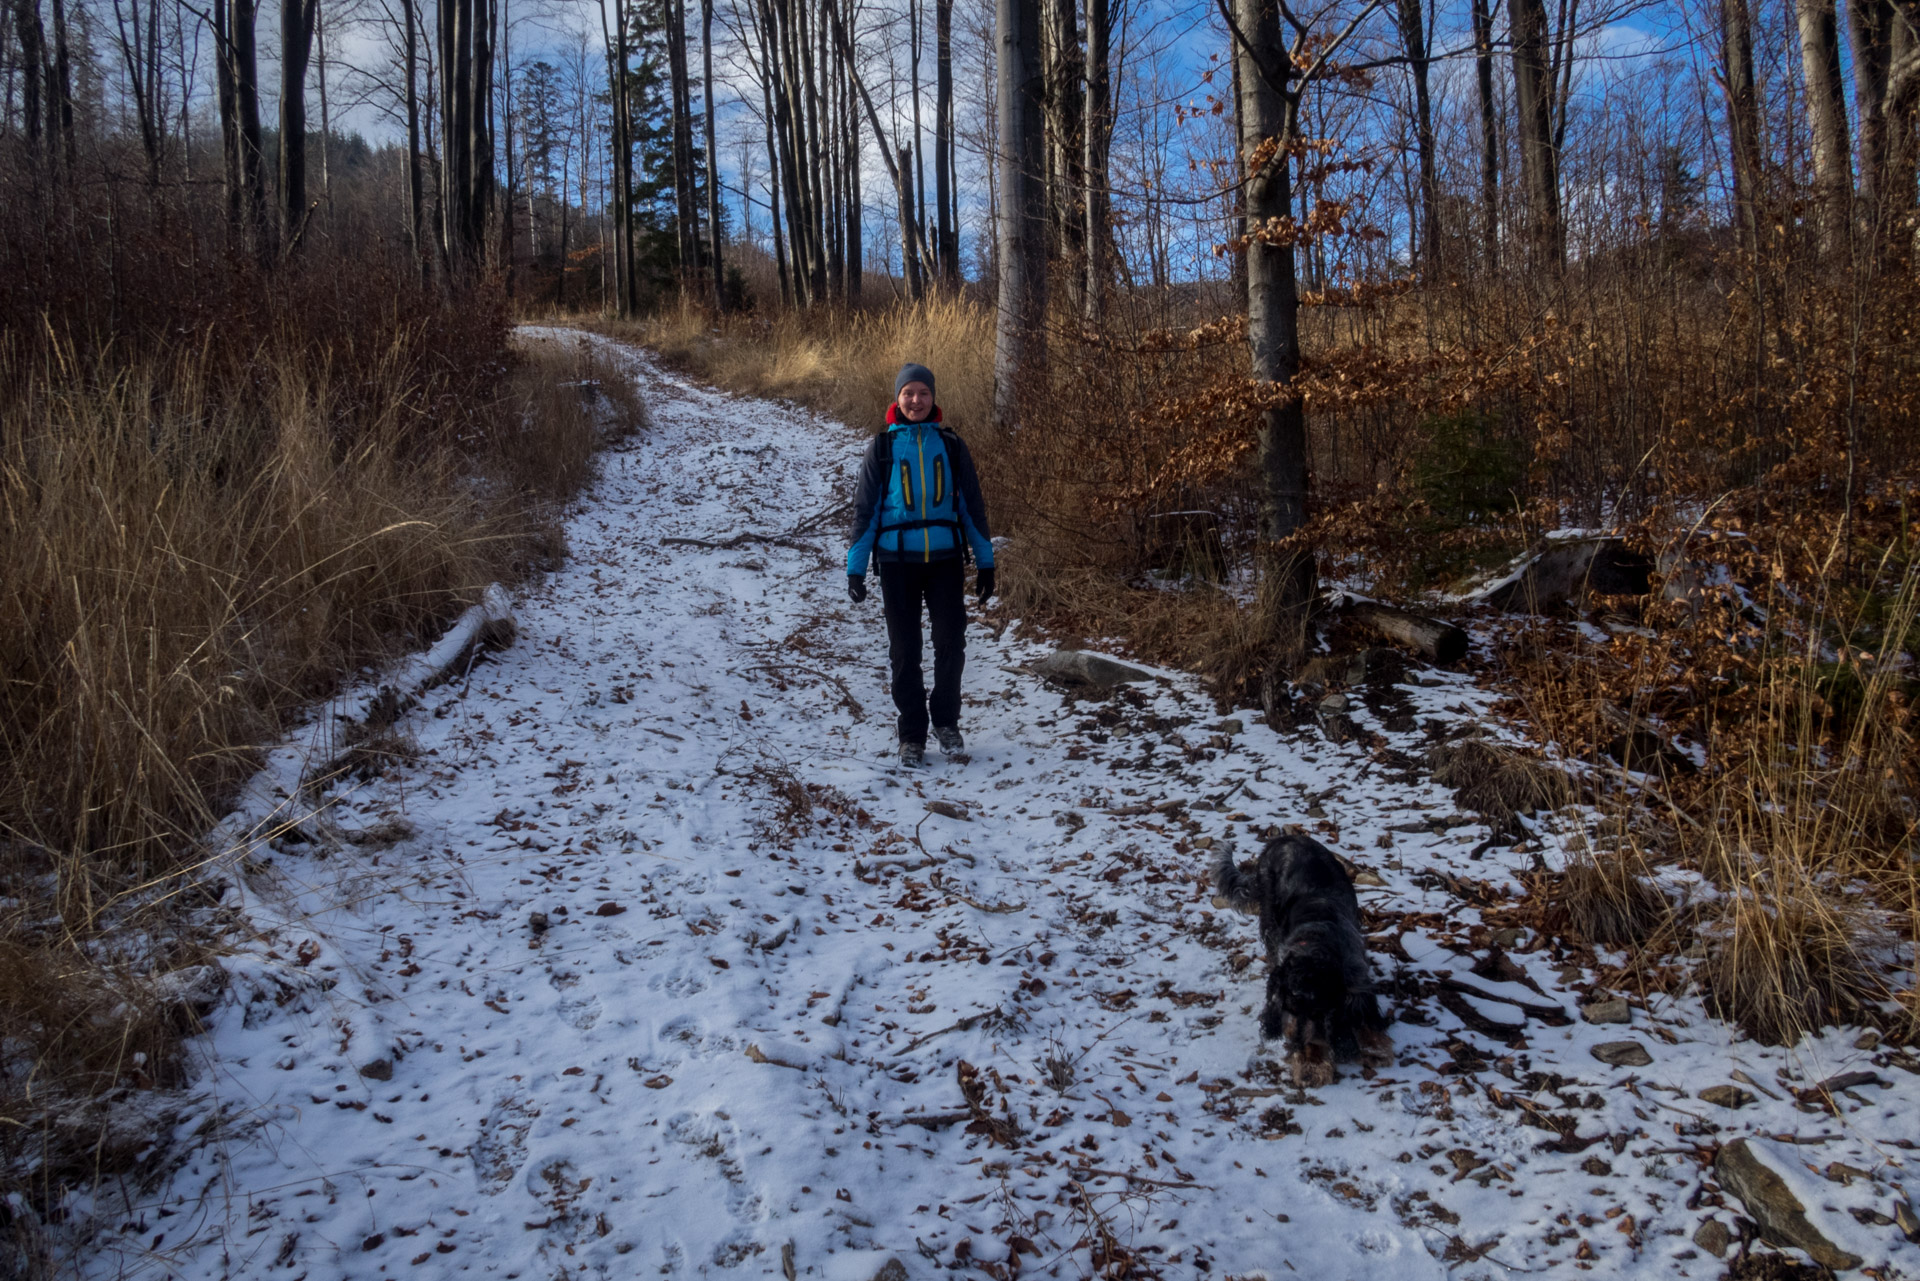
[783, 1016]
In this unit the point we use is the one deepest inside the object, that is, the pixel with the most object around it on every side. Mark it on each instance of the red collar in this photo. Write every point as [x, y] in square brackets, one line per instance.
[895, 420]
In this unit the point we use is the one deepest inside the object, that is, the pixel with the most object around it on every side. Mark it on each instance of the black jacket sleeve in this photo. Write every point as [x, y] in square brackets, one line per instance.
[867, 493]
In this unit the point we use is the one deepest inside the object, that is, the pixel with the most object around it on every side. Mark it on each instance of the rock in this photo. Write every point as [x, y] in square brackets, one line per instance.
[1233, 726]
[1332, 705]
[378, 1070]
[1622, 1054]
[1906, 1220]
[1713, 1237]
[1076, 667]
[1842, 1173]
[1368, 878]
[1069, 819]
[1508, 938]
[1614, 1011]
[1745, 1170]
[537, 922]
[1868, 1040]
[947, 809]
[891, 1270]
[1598, 1166]
[1725, 1096]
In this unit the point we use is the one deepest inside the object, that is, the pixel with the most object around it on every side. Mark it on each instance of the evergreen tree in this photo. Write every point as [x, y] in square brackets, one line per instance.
[655, 219]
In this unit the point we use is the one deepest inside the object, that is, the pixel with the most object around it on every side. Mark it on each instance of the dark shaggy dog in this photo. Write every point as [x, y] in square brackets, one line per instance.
[1320, 996]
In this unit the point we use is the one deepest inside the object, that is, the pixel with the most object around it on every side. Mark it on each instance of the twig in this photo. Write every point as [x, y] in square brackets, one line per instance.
[930, 1120]
[807, 525]
[964, 1025]
[1090, 1173]
[853, 704]
[732, 543]
[759, 1055]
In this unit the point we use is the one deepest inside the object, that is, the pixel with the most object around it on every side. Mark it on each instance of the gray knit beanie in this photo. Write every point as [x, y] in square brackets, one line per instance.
[912, 373]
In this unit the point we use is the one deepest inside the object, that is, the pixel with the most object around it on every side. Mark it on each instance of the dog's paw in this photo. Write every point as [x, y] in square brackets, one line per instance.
[1309, 1071]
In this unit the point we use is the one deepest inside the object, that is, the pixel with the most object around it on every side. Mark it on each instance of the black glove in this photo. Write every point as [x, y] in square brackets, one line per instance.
[857, 587]
[983, 583]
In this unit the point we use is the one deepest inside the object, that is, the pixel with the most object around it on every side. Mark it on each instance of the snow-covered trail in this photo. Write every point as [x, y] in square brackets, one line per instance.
[670, 971]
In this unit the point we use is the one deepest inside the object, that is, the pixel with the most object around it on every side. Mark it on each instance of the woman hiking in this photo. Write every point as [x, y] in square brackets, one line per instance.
[918, 511]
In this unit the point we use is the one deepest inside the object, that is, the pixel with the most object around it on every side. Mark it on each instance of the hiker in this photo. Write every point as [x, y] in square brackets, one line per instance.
[918, 511]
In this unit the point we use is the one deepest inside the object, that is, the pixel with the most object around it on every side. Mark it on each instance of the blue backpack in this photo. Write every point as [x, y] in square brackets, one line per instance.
[919, 497]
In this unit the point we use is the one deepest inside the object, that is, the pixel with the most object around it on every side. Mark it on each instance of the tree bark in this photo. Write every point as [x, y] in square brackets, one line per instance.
[1489, 135]
[60, 135]
[297, 19]
[1533, 85]
[33, 60]
[1268, 123]
[1826, 122]
[412, 72]
[246, 168]
[948, 233]
[1096, 129]
[1442, 643]
[1020, 343]
[1066, 150]
[1413, 37]
[1743, 119]
[713, 185]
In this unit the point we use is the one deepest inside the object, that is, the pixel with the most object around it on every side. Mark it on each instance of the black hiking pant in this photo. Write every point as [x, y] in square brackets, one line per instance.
[939, 586]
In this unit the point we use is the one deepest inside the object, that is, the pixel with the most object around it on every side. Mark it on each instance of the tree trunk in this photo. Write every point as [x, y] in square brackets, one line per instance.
[412, 72]
[1743, 120]
[1020, 343]
[1489, 135]
[910, 265]
[1442, 643]
[1066, 96]
[297, 19]
[1539, 167]
[621, 157]
[249, 166]
[1826, 122]
[768, 97]
[33, 61]
[713, 184]
[948, 233]
[1268, 130]
[60, 137]
[685, 198]
[1413, 37]
[1096, 128]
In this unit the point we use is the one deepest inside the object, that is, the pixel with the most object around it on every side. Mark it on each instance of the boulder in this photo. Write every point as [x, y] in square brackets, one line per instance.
[1622, 1054]
[1077, 667]
[1750, 1172]
[1614, 1011]
[1714, 1237]
[1561, 567]
[1725, 1096]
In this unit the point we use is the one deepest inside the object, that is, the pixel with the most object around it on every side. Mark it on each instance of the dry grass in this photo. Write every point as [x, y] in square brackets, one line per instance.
[185, 561]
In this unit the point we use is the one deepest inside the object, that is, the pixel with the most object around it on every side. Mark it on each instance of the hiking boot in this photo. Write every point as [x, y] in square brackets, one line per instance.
[913, 755]
[950, 740]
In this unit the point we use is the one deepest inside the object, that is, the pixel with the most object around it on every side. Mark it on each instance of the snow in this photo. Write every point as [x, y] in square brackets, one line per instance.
[771, 979]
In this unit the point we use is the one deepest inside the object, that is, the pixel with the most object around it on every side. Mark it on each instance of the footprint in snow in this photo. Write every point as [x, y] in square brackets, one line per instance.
[501, 1149]
[582, 1013]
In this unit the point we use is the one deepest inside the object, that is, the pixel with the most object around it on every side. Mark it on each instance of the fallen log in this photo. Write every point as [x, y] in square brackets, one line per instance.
[1438, 642]
[1561, 568]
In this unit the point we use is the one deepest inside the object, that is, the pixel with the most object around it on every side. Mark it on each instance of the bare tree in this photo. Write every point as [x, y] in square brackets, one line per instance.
[1413, 39]
[1826, 121]
[1489, 134]
[1020, 344]
[1533, 83]
[713, 183]
[297, 19]
[1743, 118]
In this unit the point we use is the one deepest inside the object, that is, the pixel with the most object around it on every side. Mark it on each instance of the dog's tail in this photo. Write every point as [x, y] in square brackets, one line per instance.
[1235, 886]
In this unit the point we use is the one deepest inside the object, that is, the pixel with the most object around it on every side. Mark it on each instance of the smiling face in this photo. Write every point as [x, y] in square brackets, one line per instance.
[915, 401]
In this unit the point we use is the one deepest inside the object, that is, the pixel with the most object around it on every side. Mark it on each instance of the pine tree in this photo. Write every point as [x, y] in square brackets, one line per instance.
[656, 251]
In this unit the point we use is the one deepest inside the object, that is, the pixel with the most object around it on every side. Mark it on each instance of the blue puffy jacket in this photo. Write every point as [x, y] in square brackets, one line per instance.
[918, 497]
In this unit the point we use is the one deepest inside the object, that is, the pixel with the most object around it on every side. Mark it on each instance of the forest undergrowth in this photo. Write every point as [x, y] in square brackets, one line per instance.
[1743, 730]
[220, 496]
